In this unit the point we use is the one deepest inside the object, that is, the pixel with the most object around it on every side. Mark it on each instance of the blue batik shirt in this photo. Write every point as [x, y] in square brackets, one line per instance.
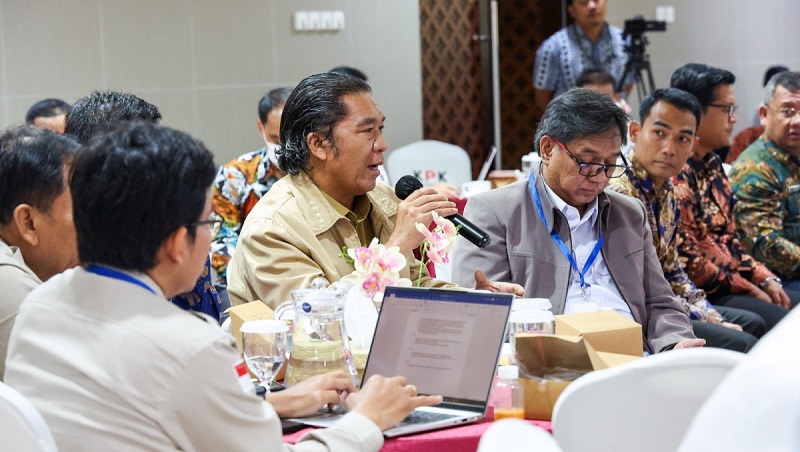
[564, 56]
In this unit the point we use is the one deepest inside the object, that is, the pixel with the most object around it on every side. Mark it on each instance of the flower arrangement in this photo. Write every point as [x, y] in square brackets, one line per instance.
[438, 242]
[377, 267]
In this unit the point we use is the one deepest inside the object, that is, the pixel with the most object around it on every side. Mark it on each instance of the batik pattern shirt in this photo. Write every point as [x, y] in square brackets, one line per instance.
[767, 210]
[237, 188]
[562, 57]
[714, 258]
[664, 216]
[203, 298]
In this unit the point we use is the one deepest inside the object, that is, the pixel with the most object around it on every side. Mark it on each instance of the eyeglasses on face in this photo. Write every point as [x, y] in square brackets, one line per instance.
[214, 223]
[787, 113]
[593, 169]
[730, 107]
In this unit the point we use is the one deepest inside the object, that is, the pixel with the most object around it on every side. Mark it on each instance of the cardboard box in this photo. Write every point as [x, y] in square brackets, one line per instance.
[255, 310]
[607, 331]
[549, 363]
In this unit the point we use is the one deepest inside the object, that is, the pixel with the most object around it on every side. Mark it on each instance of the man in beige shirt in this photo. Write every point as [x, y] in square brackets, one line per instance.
[37, 237]
[332, 147]
[111, 364]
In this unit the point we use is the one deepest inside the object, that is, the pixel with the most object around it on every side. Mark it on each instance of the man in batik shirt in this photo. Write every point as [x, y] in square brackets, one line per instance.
[662, 142]
[714, 258]
[240, 183]
[588, 43]
[766, 182]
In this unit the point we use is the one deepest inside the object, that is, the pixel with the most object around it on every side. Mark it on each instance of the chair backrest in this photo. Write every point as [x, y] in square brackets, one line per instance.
[647, 404]
[508, 435]
[431, 162]
[21, 425]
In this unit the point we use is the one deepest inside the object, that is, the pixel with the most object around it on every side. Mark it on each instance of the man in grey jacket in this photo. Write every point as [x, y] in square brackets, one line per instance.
[561, 236]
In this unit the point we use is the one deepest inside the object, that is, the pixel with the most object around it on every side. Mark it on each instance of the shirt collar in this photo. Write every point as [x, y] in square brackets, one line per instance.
[605, 34]
[642, 180]
[321, 214]
[591, 210]
[361, 208]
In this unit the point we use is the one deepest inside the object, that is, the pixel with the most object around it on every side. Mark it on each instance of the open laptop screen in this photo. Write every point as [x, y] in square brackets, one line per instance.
[443, 341]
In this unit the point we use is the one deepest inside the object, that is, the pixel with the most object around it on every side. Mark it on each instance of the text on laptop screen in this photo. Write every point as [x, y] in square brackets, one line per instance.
[444, 342]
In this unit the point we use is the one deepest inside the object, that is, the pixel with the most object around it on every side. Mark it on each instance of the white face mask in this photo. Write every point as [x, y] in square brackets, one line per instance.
[271, 148]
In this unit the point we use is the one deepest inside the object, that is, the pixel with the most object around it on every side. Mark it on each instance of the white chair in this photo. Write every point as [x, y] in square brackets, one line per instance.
[646, 404]
[431, 162]
[509, 435]
[21, 425]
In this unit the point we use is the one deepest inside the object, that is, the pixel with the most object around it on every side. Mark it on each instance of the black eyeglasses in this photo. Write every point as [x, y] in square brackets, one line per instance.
[731, 108]
[593, 169]
[214, 224]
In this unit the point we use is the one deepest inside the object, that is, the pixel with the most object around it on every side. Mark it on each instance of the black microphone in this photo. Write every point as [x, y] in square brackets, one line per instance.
[409, 184]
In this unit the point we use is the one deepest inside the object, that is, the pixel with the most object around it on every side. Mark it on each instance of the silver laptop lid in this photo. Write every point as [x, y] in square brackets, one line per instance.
[443, 341]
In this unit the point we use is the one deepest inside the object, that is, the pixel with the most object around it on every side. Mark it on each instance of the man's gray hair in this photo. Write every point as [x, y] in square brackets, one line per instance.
[579, 113]
[789, 80]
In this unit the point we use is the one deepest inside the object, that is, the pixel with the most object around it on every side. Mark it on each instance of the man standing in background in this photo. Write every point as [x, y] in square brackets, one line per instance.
[588, 43]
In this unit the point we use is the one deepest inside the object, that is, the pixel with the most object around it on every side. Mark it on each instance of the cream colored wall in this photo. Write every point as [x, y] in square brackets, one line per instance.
[742, 36]
[205, 63]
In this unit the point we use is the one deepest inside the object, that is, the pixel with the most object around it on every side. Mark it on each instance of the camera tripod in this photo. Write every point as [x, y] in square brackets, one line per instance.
[639, 65]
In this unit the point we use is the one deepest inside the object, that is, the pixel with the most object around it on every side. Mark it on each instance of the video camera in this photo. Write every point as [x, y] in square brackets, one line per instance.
[638, 60]
[638, 26]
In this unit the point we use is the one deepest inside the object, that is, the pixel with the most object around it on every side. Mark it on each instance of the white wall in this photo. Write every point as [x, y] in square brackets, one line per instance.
[206, 63]
[742, 36]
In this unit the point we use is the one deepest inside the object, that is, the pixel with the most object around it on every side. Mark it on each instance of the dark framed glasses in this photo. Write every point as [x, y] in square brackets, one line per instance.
[214, 223]
[593, 169]
[730, 107]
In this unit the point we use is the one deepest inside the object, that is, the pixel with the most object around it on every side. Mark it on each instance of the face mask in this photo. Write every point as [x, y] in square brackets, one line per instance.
[271, 148]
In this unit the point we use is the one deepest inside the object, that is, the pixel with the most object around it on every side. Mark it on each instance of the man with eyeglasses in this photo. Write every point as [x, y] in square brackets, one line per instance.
[562, 236]
[766, 181]
[715, 259]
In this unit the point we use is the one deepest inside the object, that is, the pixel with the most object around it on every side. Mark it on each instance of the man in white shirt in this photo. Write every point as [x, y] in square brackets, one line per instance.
[37, 237]
[112, 365]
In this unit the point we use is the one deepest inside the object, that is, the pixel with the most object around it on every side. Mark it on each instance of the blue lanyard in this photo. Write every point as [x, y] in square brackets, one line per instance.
[561, 245]
[114, 274]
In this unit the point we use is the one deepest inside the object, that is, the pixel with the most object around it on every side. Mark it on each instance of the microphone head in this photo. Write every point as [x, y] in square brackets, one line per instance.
[407, 185]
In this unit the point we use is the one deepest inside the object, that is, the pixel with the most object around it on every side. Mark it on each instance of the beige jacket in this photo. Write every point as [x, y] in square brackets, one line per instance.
[294, 235]
[17, 281]
[114, 367]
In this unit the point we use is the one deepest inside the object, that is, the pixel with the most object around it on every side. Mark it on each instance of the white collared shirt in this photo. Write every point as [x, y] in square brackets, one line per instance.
[601, 288]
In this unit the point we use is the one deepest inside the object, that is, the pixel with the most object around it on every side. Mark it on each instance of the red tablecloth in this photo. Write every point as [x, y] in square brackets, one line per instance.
[455, 439]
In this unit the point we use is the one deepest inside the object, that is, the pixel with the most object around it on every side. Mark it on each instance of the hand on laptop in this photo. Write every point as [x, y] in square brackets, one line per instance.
[310, 395]
[481, 283]
[387, 401]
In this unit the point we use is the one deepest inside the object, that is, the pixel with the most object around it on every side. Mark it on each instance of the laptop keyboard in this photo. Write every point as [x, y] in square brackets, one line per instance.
[423, 417]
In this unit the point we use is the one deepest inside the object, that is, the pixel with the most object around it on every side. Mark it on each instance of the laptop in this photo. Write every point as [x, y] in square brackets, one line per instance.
[487, 165]
[444, 342]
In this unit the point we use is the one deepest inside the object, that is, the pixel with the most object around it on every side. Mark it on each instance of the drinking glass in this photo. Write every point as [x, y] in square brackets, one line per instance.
[264, 345]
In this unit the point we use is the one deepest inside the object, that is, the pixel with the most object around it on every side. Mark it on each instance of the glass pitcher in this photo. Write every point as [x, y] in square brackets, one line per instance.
[319, 340]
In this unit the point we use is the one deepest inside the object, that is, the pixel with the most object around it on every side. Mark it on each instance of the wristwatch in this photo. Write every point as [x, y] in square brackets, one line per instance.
[766, 280]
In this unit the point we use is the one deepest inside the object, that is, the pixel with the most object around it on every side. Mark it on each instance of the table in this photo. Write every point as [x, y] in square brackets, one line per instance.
[457, 439]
